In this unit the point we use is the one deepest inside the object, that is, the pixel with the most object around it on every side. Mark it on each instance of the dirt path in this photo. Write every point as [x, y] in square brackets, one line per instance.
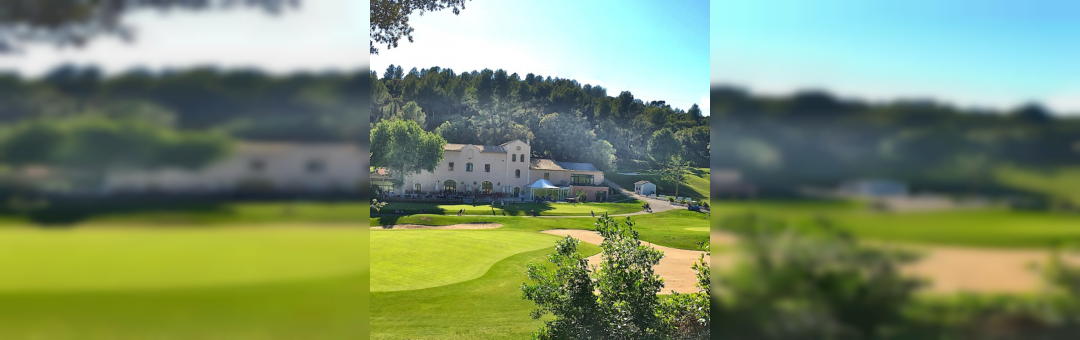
[443, 227]
[959, 269]
[675, 267]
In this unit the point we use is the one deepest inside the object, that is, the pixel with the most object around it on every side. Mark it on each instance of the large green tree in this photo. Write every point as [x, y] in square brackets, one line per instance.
[675, 171]
[403, 148]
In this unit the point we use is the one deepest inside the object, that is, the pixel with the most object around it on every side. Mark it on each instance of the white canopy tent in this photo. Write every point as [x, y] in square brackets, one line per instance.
[546, 188]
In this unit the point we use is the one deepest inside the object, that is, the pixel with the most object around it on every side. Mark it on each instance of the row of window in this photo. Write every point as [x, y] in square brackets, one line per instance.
[487, 168]
[514, 158]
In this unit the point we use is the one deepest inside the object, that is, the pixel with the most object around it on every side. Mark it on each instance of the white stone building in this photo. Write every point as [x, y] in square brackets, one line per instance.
[264, 167]
[507, 169]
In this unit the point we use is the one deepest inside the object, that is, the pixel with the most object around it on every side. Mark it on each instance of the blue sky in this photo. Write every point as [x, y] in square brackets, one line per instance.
[985, 53]
[657, 50]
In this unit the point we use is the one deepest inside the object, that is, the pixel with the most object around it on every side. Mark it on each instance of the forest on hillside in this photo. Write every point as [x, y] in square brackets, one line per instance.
[246, 104]
[816, 137]
[566, 120]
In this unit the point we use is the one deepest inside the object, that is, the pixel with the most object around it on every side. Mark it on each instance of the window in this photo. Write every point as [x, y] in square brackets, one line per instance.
[487, 167]
[513, 157]
[449, 185]
[314, 166]
[522, 157]
[416, 187]
[468, 167]
[581, 179]
[519, 148]
[451, 167]
[485, 188]
[547, 176]
[517, 173]
[257, 165]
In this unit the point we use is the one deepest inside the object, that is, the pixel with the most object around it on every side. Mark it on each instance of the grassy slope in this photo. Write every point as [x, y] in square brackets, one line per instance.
[416, 259]
[697, 185]
[488, 307]
[520, 209]
[988, 227]
[1062, 183]
[291, 290]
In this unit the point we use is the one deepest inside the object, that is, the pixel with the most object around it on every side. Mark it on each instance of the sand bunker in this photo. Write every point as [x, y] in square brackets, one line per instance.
[675, 267]
[958, 269]
[441, 227]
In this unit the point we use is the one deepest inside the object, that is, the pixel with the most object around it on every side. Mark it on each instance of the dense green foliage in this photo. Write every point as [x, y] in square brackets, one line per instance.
[244, 103]
[568, 121]
[402, 147]
[85, 147]
[814, 137]
[617, 300]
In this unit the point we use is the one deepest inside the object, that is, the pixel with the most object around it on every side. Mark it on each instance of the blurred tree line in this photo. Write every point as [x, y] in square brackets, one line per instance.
[243, 103]
[79, 123]
[567, 120]
[813, 137]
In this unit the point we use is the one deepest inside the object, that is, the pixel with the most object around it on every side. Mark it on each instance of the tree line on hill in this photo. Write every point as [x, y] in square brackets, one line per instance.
[815, 137]
[565, 119]
[79, 122]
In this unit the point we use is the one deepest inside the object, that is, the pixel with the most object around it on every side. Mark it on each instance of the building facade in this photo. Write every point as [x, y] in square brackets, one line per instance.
[506, 169]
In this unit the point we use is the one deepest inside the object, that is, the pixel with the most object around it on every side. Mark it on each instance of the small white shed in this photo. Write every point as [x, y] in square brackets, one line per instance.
[644, 188]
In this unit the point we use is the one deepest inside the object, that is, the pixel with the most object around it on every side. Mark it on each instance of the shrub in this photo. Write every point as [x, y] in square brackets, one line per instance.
[619, 299]
[671, 199]
[813, 282]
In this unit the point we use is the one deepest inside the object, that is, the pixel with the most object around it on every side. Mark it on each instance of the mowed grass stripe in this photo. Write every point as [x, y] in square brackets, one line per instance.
[980, 228]
[417, 259]
[328, 308]
[124, 259]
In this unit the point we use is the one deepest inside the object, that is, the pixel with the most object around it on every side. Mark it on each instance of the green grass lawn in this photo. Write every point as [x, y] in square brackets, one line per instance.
[292, 282]
[696, 186]
[667, 228]
[416, 259]
[1062, 183]
[486, 306]
[985, 227]
[519, 209]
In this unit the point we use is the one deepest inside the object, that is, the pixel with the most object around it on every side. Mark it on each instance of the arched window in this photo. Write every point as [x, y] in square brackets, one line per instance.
[513, 157]
[522, 157]
[450, 185]
[517, 191]
[517, 173]
[486, 187]
[519, 148]
[416, 187]
[468, 167]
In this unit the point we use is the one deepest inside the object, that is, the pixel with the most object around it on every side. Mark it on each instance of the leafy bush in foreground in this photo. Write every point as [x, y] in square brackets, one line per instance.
[619, 299]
